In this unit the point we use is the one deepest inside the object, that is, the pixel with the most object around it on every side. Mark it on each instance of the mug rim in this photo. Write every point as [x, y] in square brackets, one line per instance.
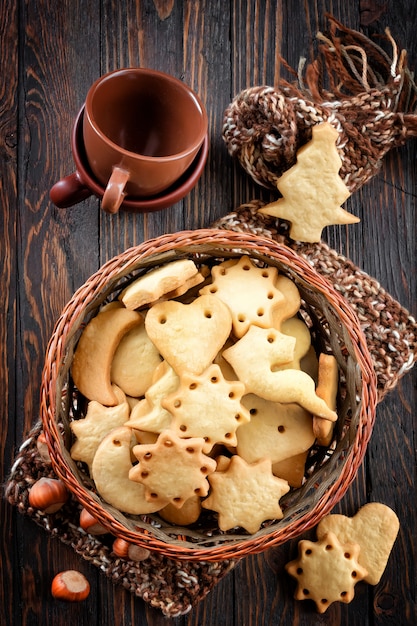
[135, 155]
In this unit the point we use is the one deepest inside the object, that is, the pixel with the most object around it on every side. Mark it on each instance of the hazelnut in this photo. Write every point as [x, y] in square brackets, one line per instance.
[126, 550]
[48, 495]
[71, 586]
[42, 447]
[89, 523]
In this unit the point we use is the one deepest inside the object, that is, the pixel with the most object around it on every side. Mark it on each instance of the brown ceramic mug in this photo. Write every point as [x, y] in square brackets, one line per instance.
[82, 183]
[142, 129]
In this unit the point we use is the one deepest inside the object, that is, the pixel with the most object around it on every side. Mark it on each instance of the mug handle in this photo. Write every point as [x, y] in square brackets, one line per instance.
[69, 191]
[115, 193]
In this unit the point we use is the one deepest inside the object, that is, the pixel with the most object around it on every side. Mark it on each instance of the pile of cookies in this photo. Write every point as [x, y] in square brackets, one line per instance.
[204, 393]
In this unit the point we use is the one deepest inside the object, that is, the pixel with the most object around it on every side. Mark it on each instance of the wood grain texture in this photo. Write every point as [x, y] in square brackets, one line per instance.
[8, 320]
[53, 51]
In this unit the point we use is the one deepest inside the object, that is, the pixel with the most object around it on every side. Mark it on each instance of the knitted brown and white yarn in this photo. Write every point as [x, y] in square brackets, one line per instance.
[371, 102]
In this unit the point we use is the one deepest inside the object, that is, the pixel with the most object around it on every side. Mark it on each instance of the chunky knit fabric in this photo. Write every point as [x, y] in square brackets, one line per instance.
[365, 92]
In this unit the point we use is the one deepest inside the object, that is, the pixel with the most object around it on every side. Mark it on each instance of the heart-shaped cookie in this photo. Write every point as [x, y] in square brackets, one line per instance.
[374, 527]
[189, 335]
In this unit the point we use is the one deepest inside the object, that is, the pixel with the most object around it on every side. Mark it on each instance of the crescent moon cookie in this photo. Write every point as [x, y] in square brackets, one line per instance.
[110, 471]
[94, 353]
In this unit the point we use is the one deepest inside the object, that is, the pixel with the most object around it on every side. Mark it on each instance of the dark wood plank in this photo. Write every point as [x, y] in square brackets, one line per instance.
[390, 473]
[172, 44]
[9, 37]
[57, 250]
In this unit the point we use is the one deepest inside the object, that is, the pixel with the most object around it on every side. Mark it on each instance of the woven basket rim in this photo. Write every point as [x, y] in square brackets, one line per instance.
[202, 242]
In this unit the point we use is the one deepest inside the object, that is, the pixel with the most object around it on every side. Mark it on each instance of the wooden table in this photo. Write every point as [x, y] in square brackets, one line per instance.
[51, 52]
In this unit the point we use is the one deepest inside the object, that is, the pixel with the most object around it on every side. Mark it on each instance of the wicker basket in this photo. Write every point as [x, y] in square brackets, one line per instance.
[334, 326]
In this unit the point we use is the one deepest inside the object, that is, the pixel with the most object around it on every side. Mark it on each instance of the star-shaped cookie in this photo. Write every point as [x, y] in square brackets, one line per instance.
[245, 495]
[312, 189]
[207, 406]
[98, 422]
[172, 469]
[249, 292]
[326, 571]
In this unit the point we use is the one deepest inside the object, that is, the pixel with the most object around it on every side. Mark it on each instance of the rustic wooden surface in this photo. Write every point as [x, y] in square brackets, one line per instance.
[50, 53]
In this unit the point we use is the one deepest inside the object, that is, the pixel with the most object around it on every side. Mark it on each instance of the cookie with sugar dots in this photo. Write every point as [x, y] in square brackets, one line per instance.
[326, 571]
[207, 406]
[248, 290]
[172, 469]
[189, 335]
[245, 494]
